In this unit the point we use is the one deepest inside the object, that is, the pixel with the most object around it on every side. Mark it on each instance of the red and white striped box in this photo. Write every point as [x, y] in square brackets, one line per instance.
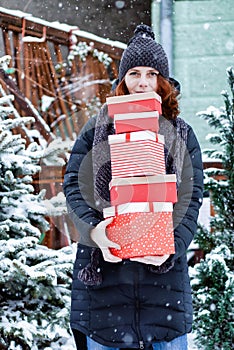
[141, 229]
[134, 103]
[137, 153]
[158, 188]
[130, 122]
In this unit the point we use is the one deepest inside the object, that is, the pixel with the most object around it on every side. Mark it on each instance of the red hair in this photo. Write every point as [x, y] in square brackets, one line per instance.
[168, 93]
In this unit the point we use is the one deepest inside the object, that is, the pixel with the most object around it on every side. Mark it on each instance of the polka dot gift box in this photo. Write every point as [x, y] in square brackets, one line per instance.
[141, 229]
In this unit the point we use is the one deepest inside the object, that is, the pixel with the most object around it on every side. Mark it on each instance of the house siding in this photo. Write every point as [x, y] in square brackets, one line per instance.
[203, 49]
[100, 17]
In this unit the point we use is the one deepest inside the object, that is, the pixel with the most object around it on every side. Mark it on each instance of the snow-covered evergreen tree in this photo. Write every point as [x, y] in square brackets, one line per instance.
[213, 277]
[35, 281]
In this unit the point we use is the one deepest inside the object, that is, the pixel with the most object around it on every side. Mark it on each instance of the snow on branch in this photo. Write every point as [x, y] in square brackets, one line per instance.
[82, 50]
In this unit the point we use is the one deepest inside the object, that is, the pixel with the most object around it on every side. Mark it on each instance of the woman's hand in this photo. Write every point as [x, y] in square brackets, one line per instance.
[156, 260]
[98, 235]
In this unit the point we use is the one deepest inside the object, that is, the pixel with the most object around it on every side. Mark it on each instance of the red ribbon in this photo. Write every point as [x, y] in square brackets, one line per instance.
[151, 207]
[128, 137]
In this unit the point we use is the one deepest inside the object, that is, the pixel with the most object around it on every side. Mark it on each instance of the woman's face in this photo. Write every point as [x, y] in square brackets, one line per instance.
[141, 79]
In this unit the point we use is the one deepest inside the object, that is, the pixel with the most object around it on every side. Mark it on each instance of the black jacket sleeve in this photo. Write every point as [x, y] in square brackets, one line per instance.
[190, 194]
[78, 184]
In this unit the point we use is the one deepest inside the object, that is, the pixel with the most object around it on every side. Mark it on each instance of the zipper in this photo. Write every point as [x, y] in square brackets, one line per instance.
[141, 343]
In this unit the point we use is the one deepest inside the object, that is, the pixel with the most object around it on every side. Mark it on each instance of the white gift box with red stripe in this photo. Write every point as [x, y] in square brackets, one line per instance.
[129, 122]
[157, 188]
[141, 229]
[134, 103]
[137, 153]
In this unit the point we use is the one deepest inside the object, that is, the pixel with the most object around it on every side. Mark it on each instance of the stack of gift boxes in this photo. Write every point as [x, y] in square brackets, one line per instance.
[141, 193]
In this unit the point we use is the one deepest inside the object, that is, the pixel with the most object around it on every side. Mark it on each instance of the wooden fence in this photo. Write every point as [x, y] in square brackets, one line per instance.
[46, 63]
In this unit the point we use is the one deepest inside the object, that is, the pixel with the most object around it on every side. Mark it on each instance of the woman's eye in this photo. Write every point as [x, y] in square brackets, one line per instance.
[133, 73]
[153, 74]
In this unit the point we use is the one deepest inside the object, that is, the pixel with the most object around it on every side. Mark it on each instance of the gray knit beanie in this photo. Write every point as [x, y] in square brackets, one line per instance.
[143, 50]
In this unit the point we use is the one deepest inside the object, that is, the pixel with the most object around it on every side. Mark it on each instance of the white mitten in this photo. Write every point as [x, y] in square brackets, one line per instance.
[98, 235]
[156, 260]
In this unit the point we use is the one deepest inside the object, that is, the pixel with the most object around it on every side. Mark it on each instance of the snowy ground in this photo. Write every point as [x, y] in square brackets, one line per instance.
[71, 346]
[191, 345]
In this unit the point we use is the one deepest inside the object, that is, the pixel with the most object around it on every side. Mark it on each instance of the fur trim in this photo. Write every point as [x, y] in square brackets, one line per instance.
[164, 268]
[90, 275]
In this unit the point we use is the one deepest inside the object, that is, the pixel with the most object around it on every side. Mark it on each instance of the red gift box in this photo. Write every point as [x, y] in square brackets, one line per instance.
[158, 188]
[129, 122]
[134, 103]
[141, 229]
[138, 153]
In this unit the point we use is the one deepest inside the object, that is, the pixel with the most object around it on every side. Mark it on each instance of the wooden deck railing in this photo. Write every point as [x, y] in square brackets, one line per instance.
[44, 63]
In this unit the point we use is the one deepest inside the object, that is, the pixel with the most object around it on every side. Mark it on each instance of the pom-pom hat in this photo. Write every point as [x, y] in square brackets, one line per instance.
[143, 50]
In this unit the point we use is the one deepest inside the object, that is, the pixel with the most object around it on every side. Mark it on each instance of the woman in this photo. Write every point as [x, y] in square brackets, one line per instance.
[143, 302]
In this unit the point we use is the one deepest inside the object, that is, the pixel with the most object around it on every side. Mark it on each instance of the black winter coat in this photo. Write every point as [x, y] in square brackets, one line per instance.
[134, 306]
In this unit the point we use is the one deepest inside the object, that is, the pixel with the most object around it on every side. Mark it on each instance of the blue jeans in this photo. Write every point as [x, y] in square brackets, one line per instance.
[179, 343]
